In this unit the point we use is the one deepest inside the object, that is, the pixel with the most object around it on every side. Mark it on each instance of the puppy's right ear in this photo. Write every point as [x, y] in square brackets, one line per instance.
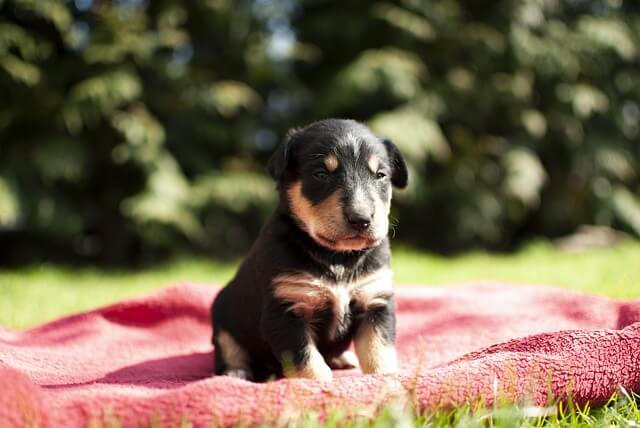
[400, 174]
[279, 161]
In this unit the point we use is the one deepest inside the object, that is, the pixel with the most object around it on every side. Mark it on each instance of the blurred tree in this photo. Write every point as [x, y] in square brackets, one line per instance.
[132, 129]
[115, 119]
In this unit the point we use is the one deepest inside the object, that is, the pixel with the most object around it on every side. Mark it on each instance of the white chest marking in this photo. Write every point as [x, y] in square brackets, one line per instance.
[310, 296]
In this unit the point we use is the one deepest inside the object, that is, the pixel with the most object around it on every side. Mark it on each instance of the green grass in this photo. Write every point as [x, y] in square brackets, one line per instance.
[613, 272]
[59, 290]
[35, 294]
[621, 411]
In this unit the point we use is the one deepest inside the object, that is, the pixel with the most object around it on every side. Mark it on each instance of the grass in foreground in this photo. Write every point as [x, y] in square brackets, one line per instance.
[35, 294]
[621, 411]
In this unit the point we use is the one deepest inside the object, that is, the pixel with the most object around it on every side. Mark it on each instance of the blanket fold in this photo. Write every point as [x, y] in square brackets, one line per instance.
[149, 360]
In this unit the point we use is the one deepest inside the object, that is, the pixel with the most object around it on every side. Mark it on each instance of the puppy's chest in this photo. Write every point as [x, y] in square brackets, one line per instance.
[332, 302]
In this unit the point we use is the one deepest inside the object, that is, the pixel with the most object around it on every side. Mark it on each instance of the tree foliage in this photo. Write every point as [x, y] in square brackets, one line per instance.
[132, 129]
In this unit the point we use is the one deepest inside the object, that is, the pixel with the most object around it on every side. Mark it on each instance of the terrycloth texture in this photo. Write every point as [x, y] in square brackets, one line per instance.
[149, 360]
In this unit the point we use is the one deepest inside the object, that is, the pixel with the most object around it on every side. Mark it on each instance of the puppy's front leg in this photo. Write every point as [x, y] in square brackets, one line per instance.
[375, 340]
[313, 365]
[293, 345]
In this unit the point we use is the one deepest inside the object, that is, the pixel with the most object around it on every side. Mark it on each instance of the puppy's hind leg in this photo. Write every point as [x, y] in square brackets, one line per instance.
[231, 359]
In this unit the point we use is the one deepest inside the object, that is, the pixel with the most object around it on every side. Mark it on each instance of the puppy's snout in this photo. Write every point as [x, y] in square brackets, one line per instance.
[359, 220]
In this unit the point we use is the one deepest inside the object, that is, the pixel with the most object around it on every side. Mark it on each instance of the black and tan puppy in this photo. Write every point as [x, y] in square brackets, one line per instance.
[318, 275]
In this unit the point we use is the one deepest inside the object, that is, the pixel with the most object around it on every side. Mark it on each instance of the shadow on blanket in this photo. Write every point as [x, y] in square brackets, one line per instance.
[149, 359]
[163, 373]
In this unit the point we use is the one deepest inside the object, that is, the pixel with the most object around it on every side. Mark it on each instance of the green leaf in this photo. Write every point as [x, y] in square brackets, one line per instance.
[417, 135]
[627, 208]
[30, 48]
[100, 96]
[19, 70]
[54, 11]
[394, 71]
[144, 135]
[405, 20]
[234, 190]
[229, 97]
[585, 99]
[534, 122]
[525, 176]
[611, 33]
[60, 158]
[165, 200]
[10, 211]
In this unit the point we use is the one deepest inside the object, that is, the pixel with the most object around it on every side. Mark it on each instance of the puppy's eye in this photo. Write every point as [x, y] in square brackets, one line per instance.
[380, 175]
[320, 175]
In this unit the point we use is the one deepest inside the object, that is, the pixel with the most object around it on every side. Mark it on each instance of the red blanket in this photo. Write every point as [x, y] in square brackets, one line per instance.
[149, 360]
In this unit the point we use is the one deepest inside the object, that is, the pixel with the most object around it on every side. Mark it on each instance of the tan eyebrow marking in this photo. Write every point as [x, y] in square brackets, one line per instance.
[331, 162]
[374, 163]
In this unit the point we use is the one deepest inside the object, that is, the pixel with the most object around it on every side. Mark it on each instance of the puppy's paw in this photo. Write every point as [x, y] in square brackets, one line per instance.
[347, 360]
[238, 373]
[389, 366]
[313, 371]
[322, 372]
[313, 368]
[379, 360]
[385, 362]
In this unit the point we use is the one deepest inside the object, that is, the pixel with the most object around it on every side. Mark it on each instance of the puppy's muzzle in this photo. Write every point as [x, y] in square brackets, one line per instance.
[359, 220]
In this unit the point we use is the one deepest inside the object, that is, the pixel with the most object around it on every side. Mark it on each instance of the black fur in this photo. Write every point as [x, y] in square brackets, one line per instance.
[247, 308]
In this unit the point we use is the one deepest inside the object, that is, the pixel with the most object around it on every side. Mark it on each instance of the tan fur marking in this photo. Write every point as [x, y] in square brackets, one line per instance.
[331, 162]
[373, 290]
[314, 368]
[308, 296]
[300, 206]
[374, 163]
[324, 222]
[330, 209]
[325, 215]
[374, 353]
[234, 355]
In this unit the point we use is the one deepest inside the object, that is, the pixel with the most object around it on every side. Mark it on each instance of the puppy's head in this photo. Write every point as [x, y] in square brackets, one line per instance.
[336, 176]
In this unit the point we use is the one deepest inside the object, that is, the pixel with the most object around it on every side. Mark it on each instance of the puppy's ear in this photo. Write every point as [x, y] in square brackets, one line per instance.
[399, 173]
[279, 161]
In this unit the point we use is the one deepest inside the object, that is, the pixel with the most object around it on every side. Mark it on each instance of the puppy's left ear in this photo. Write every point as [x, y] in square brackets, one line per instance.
[399, 173]
[279, 162]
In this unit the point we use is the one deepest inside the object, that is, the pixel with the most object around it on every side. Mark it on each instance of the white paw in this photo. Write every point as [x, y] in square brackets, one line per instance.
[347, 360]
[238, 373]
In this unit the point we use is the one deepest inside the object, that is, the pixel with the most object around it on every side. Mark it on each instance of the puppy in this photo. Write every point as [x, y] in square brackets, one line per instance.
[318, 275]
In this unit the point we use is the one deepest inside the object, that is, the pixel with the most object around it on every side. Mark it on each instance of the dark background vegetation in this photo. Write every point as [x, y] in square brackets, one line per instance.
[134, 130]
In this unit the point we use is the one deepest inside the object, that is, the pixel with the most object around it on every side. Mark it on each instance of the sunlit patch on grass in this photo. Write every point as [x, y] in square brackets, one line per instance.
[35, 294]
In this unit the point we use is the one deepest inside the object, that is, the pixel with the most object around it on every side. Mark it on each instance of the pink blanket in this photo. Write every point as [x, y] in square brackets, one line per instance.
[149, 360]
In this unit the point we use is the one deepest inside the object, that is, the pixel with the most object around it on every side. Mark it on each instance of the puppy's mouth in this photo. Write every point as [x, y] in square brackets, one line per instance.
[353, 242]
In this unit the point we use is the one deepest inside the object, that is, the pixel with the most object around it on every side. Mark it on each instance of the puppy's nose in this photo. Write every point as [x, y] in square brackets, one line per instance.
[359, 221]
